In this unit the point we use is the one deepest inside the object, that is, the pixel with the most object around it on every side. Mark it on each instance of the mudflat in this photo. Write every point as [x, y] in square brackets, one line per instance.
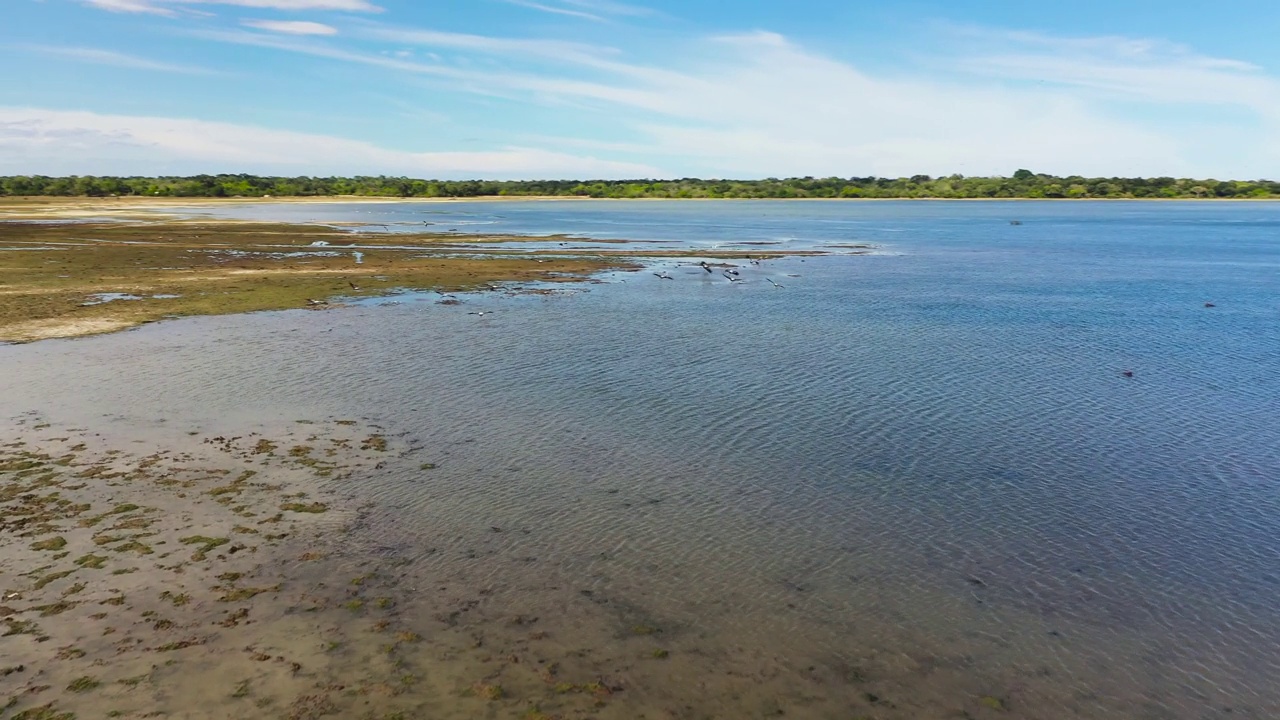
[83, 266]
[64, 279]
[142, 580]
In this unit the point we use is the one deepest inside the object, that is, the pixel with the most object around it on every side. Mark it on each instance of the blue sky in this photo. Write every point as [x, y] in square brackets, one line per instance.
[639, 88]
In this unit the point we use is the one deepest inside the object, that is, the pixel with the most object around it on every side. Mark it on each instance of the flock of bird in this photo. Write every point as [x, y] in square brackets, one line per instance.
[730, 274]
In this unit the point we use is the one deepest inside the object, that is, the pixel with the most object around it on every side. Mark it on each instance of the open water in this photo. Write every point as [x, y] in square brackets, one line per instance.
[911, 483]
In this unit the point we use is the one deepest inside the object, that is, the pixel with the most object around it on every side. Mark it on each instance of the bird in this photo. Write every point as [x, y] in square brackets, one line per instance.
[481, 312]
[731, 278]
[1210, 305]
[1127, 373]
[1015, 222]
[664, 276]
[733, 272]
[316, 302]
[771, 282]
[705, 266]
[353, 286]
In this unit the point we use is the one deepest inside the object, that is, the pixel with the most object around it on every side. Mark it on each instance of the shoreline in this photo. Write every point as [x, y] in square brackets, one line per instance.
[194, 573]
[72, 267]
[69, 279]
[70, 207]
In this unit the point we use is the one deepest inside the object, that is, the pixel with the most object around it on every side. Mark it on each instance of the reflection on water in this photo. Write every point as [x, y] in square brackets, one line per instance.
[898, 487]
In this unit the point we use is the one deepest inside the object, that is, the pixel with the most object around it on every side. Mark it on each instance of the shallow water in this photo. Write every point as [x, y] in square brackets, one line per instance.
[909, 484]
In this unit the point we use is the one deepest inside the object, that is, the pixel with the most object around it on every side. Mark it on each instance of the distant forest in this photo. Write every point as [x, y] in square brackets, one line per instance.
[1023, 184]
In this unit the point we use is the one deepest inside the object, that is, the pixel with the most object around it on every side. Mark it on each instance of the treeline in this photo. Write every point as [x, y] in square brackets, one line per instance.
[1023, 184]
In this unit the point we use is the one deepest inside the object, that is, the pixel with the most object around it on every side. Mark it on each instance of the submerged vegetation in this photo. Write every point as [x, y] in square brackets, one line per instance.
[1023, 184]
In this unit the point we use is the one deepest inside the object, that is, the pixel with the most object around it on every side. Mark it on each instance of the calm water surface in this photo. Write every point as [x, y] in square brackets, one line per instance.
[914, 483]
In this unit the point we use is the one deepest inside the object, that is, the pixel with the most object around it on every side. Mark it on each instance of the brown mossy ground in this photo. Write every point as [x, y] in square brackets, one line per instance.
[57, 254]
[49, 273]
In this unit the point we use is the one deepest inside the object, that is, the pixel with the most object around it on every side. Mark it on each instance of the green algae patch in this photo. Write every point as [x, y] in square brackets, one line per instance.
[83, 684]
[55, 608]
[53, 543]
[315, 507]
[993, 702]
[19, 627]
[91, 561]
[207, 544]
[53, 577]
[240, 594]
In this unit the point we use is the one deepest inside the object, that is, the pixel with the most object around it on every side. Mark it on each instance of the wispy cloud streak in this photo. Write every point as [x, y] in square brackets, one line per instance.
[115, 59]
[291, 27]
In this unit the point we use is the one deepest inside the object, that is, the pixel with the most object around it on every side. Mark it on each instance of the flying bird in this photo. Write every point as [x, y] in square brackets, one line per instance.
[664, 275]
[771, 282]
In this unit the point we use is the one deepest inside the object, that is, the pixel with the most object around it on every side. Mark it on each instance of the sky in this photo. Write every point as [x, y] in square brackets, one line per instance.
[606, 89]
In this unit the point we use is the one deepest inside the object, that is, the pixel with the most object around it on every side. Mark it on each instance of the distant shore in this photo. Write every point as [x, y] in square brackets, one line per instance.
[133, 206]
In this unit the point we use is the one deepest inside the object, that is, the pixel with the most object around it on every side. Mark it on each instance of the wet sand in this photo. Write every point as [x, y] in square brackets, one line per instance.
[162, 572]
[195, 579]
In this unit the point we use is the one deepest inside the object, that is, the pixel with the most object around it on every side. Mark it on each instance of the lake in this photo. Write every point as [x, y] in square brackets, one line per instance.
[1006, 470]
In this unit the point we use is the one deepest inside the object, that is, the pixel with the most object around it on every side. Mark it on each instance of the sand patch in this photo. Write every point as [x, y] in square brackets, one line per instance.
[45, 329]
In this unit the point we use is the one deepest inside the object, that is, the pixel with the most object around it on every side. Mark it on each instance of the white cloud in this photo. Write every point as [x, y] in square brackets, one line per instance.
[130, 6]
[115, 59]
[756, 104]
[60, 142]
[610, 7]
[1125, 68]
[597, 10]
[165, 7]
[342, 5]
[555, 10]
[551, 49]
[292, 27]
